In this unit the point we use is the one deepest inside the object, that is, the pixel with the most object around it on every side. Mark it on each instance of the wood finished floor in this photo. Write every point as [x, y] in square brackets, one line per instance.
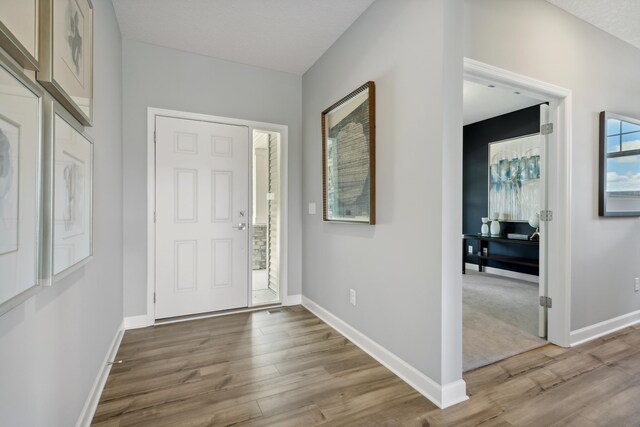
[285, 367]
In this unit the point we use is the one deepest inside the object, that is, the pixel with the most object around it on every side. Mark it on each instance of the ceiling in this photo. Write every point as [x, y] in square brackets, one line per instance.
[283, 35]
[290, 35]
[620, 18]
[482, 102]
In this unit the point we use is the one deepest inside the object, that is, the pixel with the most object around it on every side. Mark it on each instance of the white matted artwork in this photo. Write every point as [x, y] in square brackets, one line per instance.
[72, 180]
[67, 68]
[74, 38]
[20, 190]
[9, 183]
[19, 31]
[514, 178]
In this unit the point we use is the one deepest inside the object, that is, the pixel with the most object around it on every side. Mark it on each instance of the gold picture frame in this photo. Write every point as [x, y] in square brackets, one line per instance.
[349, 158]
[66, 55]
[19, 31]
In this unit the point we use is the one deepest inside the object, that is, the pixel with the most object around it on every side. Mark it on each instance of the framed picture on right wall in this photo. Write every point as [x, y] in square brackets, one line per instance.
[619, 189]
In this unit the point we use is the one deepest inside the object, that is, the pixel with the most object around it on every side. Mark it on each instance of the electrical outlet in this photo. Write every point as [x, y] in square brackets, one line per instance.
[637, 285]
[470, 249]
[352, 297]
[312, 208]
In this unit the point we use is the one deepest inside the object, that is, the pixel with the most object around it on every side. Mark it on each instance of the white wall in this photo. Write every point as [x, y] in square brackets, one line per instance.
[537, 39]
[166, 78]
[53, 345]
[398, 268]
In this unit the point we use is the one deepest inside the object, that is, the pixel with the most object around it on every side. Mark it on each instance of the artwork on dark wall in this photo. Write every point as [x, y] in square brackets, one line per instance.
[514, 178]
[348, 158]
[619, 193]
[476, 139]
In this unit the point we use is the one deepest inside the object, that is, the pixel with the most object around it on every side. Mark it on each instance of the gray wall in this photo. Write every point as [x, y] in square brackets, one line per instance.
[539, 40]
[398, 268]
[53, 345]
[166, 78]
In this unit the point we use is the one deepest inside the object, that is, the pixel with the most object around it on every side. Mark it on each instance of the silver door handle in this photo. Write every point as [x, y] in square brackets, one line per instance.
[241, 226]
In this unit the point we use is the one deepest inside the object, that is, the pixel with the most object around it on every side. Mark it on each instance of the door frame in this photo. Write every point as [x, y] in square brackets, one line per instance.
[281, 299]
[558, 254]
[283, 130]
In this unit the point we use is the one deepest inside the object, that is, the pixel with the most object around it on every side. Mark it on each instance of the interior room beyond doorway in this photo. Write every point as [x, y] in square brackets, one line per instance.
[502, 196]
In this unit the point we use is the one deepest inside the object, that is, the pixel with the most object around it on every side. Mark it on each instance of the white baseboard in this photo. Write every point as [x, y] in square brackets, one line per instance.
[89, 409]
[512, 274]
[136, 322]
[443, 396]
[471, 267]
[504, 273]
[292, 300]
[581, 336]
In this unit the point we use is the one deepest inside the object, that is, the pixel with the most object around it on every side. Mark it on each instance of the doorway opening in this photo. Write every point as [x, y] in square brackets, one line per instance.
[266, 218]
[200, 215]
[505, 146]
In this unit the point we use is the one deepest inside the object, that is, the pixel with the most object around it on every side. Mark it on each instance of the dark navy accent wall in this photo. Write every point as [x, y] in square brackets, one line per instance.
[476, 139]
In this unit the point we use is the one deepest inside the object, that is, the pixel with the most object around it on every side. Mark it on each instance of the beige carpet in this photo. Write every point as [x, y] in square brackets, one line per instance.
[500, 318]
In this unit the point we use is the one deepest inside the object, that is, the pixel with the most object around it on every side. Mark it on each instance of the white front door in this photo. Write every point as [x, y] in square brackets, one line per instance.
[202, 211]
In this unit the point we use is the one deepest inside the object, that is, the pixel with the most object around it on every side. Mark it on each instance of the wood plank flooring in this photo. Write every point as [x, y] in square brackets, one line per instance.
[285, 367]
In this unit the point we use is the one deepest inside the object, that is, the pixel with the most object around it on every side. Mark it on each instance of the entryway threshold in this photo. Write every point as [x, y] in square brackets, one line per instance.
[178, 319]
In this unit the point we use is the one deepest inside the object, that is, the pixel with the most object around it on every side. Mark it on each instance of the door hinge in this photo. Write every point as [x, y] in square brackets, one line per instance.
[546, 216]
[154, 297]
[546, 128]
[545, 302]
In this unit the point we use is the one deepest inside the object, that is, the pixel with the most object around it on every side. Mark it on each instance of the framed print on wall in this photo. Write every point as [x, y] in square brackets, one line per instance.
[619, 187]
[69, 194]
[19, 31]
[348, 158]
[514, 178]
[20, 185]
[66, 57]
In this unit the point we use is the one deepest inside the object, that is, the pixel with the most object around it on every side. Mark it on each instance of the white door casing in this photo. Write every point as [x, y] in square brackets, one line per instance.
[543, 252]
[202, 198]
[558, 188]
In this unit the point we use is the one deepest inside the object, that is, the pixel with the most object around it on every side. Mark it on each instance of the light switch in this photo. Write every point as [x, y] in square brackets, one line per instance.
[312, 208]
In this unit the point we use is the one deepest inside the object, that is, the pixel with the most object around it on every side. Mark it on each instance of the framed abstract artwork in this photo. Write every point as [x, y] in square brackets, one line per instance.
[66, 55]
[514, 178]
[19, 31]
[69, 195]
[21, 217]
[348, 158]
[619, 186]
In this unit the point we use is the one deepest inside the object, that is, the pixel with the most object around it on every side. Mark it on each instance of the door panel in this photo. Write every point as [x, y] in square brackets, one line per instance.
[542, 269]
[202, 198]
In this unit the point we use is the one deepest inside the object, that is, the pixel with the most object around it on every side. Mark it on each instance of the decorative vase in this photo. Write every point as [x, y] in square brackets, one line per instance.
[534, 221]
[484, 230]
[495, 227]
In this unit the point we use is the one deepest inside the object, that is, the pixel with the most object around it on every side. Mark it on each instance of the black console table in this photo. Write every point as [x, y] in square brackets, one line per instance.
[483, 255]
